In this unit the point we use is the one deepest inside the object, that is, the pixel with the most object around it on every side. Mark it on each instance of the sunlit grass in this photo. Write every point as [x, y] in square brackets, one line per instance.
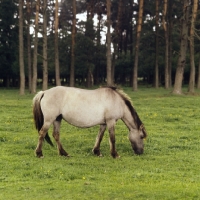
[168, 169]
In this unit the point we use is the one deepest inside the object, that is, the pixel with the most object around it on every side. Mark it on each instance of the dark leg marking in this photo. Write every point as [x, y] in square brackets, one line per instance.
[56, 135]
[96, 149]
[113, 151]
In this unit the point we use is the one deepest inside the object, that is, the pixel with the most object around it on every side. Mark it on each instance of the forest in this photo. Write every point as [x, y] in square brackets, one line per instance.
[93, 42]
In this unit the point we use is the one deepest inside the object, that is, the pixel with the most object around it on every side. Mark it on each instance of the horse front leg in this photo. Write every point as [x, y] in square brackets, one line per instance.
[96, 149]
[113, 151]
[56, 135]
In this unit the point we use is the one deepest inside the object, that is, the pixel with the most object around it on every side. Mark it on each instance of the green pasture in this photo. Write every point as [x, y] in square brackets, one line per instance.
[169, 169]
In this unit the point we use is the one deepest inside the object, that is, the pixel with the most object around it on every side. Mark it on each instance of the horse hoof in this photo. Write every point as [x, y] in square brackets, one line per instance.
[39, 154]
[115, 155]
[97, 152]
[62, 152]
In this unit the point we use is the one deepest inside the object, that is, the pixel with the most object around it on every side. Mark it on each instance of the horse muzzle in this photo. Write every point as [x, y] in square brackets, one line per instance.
[138, 151]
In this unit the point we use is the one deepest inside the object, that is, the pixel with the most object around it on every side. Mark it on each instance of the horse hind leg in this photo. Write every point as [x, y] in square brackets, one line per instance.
[96, 149]
[42, 133]
[56, 135]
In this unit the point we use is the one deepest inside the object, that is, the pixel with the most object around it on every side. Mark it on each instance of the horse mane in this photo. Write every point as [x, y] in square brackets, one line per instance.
[127, 101]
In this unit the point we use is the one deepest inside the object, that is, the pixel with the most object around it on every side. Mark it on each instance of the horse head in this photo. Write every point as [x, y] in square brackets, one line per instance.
[136, 137]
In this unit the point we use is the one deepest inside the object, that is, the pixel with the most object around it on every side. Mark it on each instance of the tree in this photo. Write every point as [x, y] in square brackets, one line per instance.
[35, 53]
[99, 56]
[45, 63]
[156, 75]
[183, 49]
[119, 26]
[198, 76]
[73, 44]
[21, 49]
[9, 42]
[170, 33]
[192, 64]
[108, 38]
[29, 45]
[57, 67]
[166, 32]
[138, 33]
[89, 33]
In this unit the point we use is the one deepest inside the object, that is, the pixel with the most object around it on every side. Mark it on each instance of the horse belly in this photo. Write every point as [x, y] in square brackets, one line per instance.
[82, 117]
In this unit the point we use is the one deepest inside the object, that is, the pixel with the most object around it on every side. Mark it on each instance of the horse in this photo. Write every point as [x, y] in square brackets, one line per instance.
[86, 108]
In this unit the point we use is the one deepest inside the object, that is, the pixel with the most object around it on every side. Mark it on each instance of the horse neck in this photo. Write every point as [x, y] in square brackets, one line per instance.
[129, 120]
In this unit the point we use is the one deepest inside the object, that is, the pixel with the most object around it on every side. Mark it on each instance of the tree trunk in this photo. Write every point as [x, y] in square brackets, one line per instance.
[97, 67]
[138, 33]
[90, 78]
[192, 63]
[57, 67]
[29, 46]
[131, 29]
[90, 16]
[156, 76]
[34, 79]
[198, 76]
[72, 81]
[45, 63]
[165, 27]
[119, 30]
[170, 27]
[108, 38]
[183, 49]
[21, 49]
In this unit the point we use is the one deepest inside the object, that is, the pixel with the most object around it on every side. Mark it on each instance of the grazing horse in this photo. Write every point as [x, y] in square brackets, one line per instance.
[86, 108]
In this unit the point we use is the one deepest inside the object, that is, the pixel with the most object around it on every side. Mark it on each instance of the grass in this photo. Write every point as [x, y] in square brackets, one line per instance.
[168, 169]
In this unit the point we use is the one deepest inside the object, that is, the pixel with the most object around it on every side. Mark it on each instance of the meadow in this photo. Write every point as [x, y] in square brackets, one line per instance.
[168, 169]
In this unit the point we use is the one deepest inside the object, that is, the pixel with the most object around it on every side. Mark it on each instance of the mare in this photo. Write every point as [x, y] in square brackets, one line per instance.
[86, 108]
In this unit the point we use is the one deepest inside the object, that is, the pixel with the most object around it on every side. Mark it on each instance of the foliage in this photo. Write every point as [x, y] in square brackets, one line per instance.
[8, 39]
[84, 54]
[168, 169]
[88, 53]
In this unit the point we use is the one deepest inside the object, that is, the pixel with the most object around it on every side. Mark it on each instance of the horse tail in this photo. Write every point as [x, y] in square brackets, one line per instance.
[38, 115]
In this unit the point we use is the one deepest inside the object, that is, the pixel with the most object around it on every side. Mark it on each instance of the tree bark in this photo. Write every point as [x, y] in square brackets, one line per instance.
[97, 67]
[29, 46]
[72, 81]
[192, 63]
[138, 33]
[183, 49]
[170, 28]
[119, 24]
[21, 49]
[156, 75]
[45, 63]
[34, 79]
[165, 27]
[198, 76]
[90, 16]
[108, 54]
[57, 67]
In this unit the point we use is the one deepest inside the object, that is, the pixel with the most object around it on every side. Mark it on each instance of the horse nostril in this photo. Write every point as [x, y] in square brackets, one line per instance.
[138, 151]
